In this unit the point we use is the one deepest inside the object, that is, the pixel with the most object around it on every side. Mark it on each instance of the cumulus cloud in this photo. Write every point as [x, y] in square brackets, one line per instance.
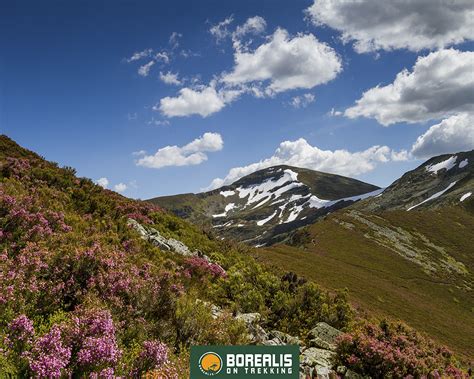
[286, 63]
[103, 182]
[201, 101]
[162, 56]
[193, 153]
[140, 55]
[300, 153]
[145, 69]
[220, 31]
[302, 101]
[120, 187]
[253, 25]
[415, 25]
[170, 78]
[440, 84]
[451, 135]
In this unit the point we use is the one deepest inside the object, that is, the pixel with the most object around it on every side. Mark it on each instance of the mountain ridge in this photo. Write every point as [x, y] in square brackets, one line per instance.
[264, 206]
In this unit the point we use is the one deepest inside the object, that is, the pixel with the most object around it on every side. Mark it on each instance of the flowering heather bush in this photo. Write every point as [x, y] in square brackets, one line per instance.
[153, 355]
[394, 350]
[93, 337]
[200, 266]
[21, 329]
[82, 295]
[49, 357]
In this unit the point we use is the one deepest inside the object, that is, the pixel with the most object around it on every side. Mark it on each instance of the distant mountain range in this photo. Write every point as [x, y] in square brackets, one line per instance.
[264, 207]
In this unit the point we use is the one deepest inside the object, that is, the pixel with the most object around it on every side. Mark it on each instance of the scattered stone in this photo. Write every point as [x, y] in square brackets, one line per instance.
[168, 244]
[314, 356]
[285, 339]
[249, 318]
[323, 336]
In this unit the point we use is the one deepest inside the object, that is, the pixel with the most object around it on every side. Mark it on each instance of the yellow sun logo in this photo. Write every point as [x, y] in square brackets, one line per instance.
[210, 363]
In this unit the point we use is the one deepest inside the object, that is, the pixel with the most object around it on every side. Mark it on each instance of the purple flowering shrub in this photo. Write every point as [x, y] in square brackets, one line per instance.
[82, 295]
[201, 267]
[49, 357]
[394, 350]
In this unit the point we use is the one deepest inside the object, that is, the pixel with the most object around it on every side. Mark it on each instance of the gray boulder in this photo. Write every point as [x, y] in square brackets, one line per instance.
[284, 338]
[323, 336]
[313, 357]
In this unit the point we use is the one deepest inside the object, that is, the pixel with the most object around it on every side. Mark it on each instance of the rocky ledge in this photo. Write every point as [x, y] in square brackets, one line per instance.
[316, 357]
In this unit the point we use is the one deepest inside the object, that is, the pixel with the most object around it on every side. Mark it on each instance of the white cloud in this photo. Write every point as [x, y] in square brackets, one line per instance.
[145, 69]
[191, 154]
[121, 187]
[139, 55]
[333, 112]
[103, 182]
[220, 31]
[170, 78]
[162, 56]
[174, 40]
[398, 24]
[300, 153]
[451, 135]
[139, 153]
[204, 102]
[286, 63]
[440, 84]
[254, 25]
[156, 122]
[302, 101]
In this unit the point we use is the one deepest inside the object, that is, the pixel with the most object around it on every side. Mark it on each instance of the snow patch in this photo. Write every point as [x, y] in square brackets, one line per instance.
[295, 212]
[227, 193]
[265, 220]
[447, 164]
[436, 195]
[227, 208]
[265, 191]
[463, 163]
[465, 196]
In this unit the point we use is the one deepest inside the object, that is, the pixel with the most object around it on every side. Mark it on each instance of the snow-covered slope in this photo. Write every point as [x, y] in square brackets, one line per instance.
[262, 208]
[442, 180]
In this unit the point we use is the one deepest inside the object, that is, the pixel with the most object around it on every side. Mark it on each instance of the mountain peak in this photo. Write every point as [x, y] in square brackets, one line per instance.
[265, 205]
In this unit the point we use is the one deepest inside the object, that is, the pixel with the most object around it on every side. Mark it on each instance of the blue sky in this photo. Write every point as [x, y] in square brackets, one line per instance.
[70, 90]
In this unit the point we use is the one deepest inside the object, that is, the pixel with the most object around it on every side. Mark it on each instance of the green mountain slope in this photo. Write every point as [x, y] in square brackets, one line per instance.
[416, 266]
[97, 285]
[263, 207]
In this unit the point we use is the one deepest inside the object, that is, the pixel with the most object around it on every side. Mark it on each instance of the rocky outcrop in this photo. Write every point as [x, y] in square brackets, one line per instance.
[152, 235]
[323, 336]
[316, 360]
[168, 244]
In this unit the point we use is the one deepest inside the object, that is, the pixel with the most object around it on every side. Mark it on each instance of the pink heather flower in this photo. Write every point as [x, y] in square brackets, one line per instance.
[99, 350]
[21, 329]
[198, 264]
[49, 357]
[153, 355]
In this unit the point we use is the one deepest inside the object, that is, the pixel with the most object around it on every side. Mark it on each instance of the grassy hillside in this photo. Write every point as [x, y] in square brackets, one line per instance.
[418, 269]
[82, 294]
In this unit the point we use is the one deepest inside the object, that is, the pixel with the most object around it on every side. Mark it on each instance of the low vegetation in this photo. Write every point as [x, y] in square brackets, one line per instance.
[82, 294]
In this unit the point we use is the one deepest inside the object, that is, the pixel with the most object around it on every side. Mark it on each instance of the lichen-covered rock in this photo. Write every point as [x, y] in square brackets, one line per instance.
[313, 357]
[323, 336]
[284, 338]
[249, 318]
[168, 244]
